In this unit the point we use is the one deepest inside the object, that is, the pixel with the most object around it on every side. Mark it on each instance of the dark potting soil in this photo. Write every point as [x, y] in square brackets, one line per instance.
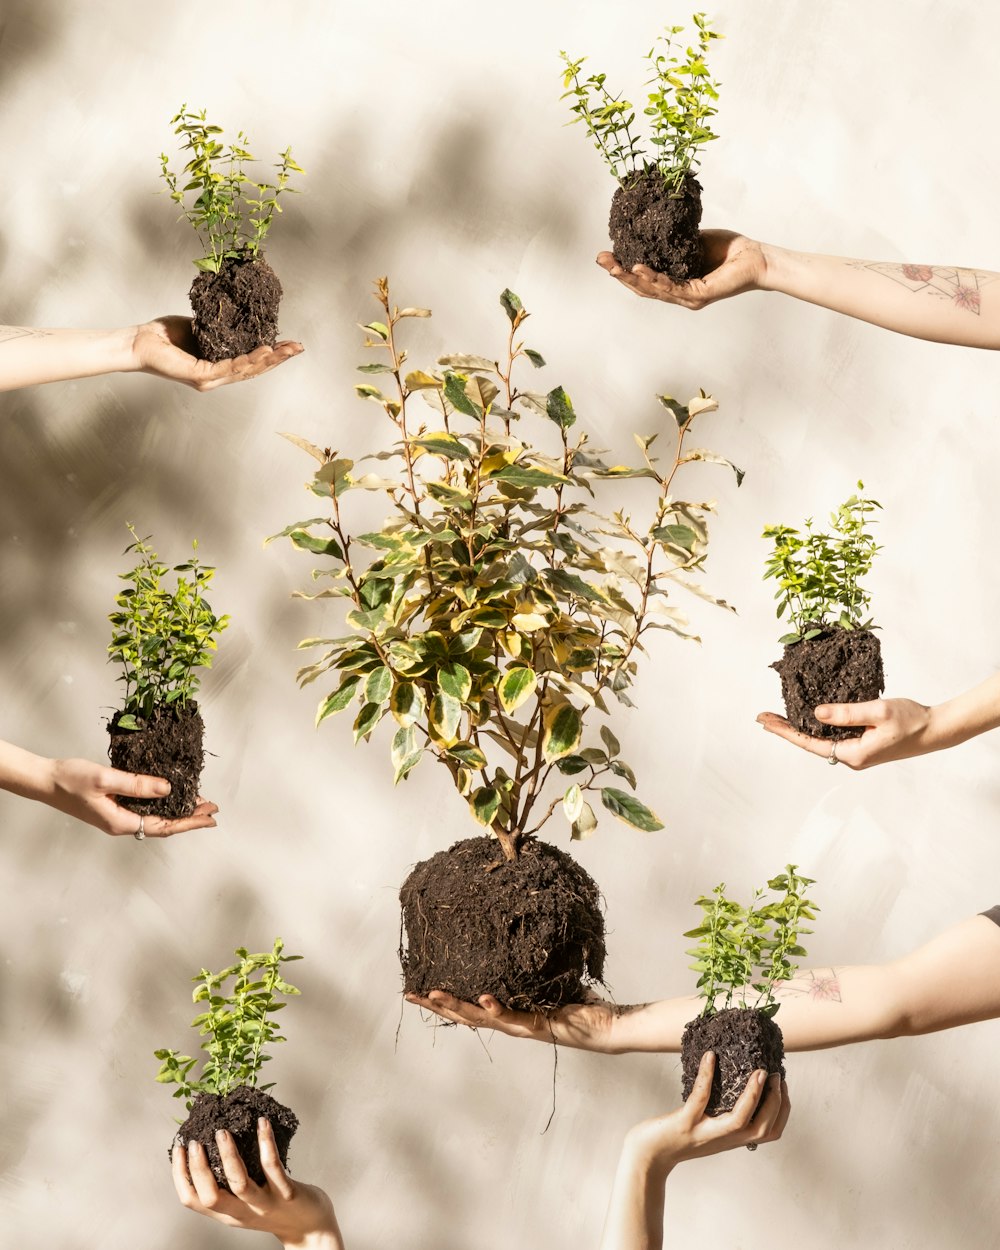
[743, 1040]
[649, 226]
[238, 1111]
[170, 746]
[236, 309]
[840, 666]
[528, 931]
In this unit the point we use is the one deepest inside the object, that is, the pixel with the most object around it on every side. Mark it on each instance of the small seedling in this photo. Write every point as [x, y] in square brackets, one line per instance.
[162, 637]
[680, 104]
[743, 953]
[237, 1025]
[230, 211]
[819, 574]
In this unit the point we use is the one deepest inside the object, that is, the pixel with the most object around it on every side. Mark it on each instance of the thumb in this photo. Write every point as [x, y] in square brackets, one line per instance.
[137, 785]
[848, 713]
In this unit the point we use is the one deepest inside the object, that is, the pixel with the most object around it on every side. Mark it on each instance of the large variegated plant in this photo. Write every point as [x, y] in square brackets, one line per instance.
[502, 599]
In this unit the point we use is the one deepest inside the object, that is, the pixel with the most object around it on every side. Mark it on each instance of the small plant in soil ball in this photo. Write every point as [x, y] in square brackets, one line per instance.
[492, 622]
[237, 1025]
[831, 654]
[236, 294]
[656, 210]
[162, 638]
[743, 954]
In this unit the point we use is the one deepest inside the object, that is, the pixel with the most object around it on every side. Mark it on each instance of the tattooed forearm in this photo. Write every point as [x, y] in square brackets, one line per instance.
[9, 333]
[960, 287]
[823, 985]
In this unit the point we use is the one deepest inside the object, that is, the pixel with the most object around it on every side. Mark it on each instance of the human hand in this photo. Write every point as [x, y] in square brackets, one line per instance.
[585, 1026]
[896, 730]
[735, 264]
[85, 791]
[298, 1215]
[165, 349]
[760, 1115]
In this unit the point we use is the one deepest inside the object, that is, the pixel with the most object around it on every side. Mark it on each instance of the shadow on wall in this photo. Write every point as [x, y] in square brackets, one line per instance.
[30, 31]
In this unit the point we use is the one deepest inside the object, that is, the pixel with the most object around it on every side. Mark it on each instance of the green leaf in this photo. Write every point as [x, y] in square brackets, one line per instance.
[404, 744]
[571, 764]
[515, 686]
[484, 804]
[407, 703]
[455, 394]
[374, 368]
[340, 698]
[682, 536]
[446, 445]
[559, 408]
[468, 754]
[628, 808]
[367, 719]
[610, 741]
[377, 327]
[445, 712]
[378, 685]
[511, 305]
[563, 727]
[536, 358]
[128, 721]
[454, 679]
[319, 546]
[522, 475]
[679, 411]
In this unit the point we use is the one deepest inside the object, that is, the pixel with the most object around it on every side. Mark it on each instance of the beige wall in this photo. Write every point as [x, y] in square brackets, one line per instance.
[434, 143]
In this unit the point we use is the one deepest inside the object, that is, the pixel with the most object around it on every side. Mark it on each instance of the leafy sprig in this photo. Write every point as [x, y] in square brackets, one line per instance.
[680, 104]
[237, 1025]
[819, 574]
[162, 637]
[231, 212]
[497, 607]
[741, 949]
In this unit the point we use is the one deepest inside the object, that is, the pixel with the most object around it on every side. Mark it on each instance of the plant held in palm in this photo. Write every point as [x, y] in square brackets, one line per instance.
[236, 295]
[831, 653]
[656, 209]
[489, 621]
[237, 1026]
[162, 638]
[743, 954]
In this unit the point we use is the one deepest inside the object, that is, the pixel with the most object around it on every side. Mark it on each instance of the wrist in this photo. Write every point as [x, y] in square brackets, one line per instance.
[946, 725]
[26, 774]
[775, 264]
[319, 1239]
[123, 349]
[644, 1156]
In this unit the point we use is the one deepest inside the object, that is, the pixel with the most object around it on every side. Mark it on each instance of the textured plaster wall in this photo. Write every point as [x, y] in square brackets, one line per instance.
[434, 143]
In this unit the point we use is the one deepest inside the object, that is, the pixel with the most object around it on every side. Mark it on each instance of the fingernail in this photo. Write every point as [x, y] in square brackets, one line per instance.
[761, 1078]
[263, 1122]
[161, 787]
[822, 712]
[221, 1134]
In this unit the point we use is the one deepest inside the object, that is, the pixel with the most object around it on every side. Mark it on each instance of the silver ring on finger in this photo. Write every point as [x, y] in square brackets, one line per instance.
[832, 757]
[140, 833]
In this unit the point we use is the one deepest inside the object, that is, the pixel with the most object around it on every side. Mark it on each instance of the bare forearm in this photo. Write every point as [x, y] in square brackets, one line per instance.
[25, 774]
[938, 302]
[635, 1212]
[29, 357]
[967, 715]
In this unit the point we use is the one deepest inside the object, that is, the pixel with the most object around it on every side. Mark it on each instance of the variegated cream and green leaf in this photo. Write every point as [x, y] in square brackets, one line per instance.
[504, 597]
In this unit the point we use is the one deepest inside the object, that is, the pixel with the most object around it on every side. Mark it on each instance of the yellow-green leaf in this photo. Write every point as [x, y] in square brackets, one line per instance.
[484, 804]
[407, 703]
[585, 824]
[515, 686]
[445, 713]
[455, 679]
[563, 727]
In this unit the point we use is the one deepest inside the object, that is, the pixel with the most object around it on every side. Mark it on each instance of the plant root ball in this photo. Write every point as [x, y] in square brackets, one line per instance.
[528, 931]
[236, 309]
[649, 226]
[743, 1040]
[238, 1111]
[840, 666]
[171, 745]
